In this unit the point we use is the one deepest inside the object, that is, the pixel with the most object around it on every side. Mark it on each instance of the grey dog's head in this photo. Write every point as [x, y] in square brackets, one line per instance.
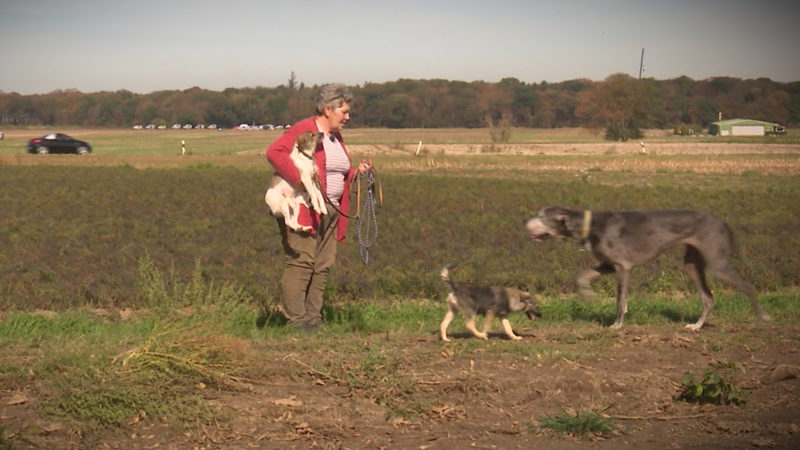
[550, 222]
[525, 302]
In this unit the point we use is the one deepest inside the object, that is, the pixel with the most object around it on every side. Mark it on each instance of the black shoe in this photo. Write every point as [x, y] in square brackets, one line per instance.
[310, 327]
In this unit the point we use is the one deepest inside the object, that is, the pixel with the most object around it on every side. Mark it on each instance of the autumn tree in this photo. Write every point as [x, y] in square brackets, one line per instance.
[620, 105]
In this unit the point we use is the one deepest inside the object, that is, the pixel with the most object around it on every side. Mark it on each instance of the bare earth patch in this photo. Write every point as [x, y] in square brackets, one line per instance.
[298, 394]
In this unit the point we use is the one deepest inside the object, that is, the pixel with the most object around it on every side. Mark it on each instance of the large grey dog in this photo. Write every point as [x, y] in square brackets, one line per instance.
[622, 240]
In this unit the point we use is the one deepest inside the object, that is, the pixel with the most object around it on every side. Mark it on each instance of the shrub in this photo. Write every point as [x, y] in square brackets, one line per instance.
[499, 133]
[711, 387]
[622, 130]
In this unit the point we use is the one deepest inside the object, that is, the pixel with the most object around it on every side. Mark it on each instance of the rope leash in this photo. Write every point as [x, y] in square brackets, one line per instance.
[367, 221]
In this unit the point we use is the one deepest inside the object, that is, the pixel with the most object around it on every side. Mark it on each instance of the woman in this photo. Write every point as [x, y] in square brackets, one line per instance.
[309, 255]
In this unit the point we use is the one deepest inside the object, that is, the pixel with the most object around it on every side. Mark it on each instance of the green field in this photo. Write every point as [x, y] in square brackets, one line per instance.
[137, 305]
[77, 228]
[116, 142]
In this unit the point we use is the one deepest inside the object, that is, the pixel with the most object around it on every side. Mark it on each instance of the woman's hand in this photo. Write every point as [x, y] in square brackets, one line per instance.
[364, 166]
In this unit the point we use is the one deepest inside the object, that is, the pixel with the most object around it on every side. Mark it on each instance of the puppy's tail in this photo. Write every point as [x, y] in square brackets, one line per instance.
[445, 274]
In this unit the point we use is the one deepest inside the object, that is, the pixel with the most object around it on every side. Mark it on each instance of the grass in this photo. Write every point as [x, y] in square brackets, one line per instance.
[122, 142]
[81, 355]
[95, 370]
[189, 248]
[125, 142]
[58, 219]
[577, 424]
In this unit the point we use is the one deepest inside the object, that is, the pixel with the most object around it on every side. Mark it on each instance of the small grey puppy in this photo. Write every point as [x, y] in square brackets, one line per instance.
[488, 301]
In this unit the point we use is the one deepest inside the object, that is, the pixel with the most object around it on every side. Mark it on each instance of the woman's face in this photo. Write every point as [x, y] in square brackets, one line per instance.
[337, 117]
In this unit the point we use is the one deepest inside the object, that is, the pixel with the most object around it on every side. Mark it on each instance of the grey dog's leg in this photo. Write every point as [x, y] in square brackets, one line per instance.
[623, 278]
[694, 265]
[585, 280]
[726, 273]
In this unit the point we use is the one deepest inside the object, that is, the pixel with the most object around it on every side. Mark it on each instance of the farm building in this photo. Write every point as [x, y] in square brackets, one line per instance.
[744, 127]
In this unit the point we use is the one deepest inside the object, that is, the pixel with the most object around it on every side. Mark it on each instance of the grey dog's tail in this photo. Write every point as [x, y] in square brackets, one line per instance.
[445, 274]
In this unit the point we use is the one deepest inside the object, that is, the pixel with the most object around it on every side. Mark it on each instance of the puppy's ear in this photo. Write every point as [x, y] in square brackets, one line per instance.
[561, 219]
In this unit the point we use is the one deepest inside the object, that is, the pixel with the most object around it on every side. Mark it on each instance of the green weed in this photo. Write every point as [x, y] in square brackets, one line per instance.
[715, 385]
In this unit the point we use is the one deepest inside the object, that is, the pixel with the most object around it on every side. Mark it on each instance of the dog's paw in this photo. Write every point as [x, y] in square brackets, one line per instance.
[483, 336]
[616, 325]
[765, 317]
[445, 339]
[694, 326]
[516, 338]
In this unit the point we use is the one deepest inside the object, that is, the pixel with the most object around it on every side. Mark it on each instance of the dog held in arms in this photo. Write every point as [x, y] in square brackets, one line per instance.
[489, 301]
[283, 199]
[622, 240]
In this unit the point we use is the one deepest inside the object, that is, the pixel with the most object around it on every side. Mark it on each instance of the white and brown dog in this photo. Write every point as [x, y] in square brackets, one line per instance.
[283, 199]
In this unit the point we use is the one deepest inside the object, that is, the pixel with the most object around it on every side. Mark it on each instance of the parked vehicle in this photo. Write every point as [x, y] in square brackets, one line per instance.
[58, 143]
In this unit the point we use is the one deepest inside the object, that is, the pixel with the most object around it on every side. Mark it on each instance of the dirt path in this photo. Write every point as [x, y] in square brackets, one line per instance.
[481, 398]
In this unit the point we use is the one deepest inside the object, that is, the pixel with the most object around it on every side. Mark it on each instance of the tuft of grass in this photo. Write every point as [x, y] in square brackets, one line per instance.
[578, 424]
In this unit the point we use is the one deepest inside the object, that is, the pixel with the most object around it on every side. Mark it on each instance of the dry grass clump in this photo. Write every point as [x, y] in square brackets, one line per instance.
[206, 358]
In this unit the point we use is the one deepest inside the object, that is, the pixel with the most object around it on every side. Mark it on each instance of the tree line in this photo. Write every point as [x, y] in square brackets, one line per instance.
[619, 102]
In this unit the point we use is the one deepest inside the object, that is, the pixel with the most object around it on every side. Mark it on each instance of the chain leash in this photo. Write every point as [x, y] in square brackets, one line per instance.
[367, 226]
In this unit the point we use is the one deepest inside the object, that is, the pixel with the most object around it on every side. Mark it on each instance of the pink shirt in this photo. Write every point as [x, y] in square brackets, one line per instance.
[337, 165]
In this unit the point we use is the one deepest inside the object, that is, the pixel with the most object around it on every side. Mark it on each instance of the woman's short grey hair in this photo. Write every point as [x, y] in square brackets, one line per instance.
[333, 95]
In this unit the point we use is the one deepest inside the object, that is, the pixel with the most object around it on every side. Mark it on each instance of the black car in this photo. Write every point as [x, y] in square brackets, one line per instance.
[58, 143]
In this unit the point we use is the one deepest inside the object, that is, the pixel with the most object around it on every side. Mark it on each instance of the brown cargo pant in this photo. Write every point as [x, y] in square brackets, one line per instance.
[308, 258]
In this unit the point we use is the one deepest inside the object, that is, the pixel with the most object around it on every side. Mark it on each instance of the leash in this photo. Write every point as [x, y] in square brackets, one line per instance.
[367, 222]
[587, 224]
[585, 229]
[327, 199]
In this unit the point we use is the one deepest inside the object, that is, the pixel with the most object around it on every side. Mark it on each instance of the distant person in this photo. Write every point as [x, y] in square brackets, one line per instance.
[309, 255]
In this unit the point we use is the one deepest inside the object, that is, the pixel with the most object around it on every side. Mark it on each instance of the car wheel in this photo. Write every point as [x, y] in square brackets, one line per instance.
[42, 150]
[83, 150]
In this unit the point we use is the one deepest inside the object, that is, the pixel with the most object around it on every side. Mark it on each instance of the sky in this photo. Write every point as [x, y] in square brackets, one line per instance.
[145, 46]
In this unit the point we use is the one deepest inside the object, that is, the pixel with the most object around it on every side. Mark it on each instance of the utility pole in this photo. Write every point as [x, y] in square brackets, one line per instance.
[641, 64]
